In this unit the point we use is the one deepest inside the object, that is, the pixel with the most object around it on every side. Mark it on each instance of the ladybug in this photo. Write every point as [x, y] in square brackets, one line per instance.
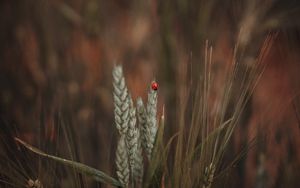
[154, 86]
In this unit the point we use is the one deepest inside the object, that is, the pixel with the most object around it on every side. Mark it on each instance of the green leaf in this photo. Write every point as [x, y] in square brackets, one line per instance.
[81, 168]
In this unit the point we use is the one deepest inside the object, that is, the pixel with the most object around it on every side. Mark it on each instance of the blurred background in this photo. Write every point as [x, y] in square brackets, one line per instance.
[56, 59]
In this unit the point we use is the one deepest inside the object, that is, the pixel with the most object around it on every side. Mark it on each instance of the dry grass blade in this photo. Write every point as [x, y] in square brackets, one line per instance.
[210, 130]
[81, 168]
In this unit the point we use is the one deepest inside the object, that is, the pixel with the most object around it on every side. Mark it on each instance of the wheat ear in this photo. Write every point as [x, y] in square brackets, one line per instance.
[142, 121]
[151, 127]
[138, 169]
[132, 135]
[122, 162]
[209, 175]
[121, 98]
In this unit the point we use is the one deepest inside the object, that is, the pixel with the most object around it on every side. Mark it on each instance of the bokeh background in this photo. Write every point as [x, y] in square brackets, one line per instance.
[56, 58]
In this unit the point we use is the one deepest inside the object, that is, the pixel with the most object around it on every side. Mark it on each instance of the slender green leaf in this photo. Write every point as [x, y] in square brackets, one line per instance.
[81, 168]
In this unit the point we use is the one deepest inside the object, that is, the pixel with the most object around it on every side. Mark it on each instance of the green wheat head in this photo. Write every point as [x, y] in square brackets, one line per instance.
[134, 138]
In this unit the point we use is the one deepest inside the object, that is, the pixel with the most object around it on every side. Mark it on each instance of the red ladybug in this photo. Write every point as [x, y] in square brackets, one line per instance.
[154, 86]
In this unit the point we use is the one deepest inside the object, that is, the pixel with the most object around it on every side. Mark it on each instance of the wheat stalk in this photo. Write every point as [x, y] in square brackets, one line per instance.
[121, 100]
[122, 162]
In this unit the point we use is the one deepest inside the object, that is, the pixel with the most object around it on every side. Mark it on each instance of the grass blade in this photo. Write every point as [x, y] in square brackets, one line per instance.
[81, 168]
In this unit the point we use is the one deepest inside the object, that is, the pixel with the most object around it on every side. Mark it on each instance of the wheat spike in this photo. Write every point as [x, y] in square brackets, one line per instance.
[151, 127]
[121, 102]
[122, 162]
[142, 119]
[132, 135]
[138, 169]
[209, 175]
